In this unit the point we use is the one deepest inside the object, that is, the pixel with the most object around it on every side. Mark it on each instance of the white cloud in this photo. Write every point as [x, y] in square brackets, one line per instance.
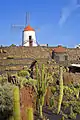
[67, 11]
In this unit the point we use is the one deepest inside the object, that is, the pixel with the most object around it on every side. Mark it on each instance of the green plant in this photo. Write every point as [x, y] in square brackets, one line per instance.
[41, 87]
[77, 93]
[6, 101]
[24, 73]
[76, 107]
[13, 45]
[51, 102]
[53, 89]
[62, 118]
[71, 101]
[16, 103]
[72, 114]
[61, 90]
[29, 114]
[11, 118]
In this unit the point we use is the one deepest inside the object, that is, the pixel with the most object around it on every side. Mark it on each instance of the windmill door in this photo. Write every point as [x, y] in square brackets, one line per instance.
[30, 41]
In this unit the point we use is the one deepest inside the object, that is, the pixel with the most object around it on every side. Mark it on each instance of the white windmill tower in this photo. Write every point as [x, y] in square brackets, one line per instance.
[28, 34]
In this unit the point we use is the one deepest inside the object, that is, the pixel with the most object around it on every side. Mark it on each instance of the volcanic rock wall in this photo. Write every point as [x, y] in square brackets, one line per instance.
[15, 58]
[74, 54]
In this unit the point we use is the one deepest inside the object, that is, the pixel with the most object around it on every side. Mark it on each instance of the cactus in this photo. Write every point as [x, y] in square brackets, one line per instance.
[62, 118]
[61, 89]
[11, 118]
[16, 103]
[29, 113]
[51, 102]
[77, 93]
[41, 87]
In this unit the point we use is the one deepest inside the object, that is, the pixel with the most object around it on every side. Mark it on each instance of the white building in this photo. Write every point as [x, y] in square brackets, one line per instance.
[29, 37]
[77, 46]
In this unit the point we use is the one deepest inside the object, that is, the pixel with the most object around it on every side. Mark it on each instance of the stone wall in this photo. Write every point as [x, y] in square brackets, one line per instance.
[15, 58]
[24, 52]
[74, 54]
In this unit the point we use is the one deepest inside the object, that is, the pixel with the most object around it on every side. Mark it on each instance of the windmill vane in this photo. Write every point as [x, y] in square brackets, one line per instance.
[28, 18]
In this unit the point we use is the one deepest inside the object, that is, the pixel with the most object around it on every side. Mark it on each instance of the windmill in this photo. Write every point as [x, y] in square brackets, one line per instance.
[26, 34]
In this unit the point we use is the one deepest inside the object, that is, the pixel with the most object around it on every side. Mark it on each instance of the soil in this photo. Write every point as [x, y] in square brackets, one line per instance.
[52, 116]
[26, 100]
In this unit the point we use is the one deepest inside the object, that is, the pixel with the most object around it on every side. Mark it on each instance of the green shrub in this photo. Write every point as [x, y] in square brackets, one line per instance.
[72, 114]
[23, 73]
[6, 101]
[13, 45]
[76, 107]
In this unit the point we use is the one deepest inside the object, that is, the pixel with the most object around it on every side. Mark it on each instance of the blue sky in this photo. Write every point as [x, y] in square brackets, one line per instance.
[58, 21]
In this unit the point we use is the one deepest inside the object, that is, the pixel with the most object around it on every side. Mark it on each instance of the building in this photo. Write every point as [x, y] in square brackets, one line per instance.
[59, 54]
[77, 46]
[29, 37]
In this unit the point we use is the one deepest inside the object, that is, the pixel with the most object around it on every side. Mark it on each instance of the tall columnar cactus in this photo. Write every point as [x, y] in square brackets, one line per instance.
[61, 89]
[29, 113]
[11, 118]
[16, 103]
[41, 87]
[62, 118]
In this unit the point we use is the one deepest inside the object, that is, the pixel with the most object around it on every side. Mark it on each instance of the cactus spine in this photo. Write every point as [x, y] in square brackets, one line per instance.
[41, 87]
[29, 113]
[16, 101]
[61, 89]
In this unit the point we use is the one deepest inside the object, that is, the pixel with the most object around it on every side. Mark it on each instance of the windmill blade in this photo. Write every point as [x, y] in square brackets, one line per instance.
[17, 26]
[27, 18]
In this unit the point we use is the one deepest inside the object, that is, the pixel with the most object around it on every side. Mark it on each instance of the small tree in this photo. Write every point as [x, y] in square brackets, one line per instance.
[13, 45]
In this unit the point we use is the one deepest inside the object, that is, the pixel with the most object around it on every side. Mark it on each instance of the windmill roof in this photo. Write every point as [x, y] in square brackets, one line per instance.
[28, 28]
